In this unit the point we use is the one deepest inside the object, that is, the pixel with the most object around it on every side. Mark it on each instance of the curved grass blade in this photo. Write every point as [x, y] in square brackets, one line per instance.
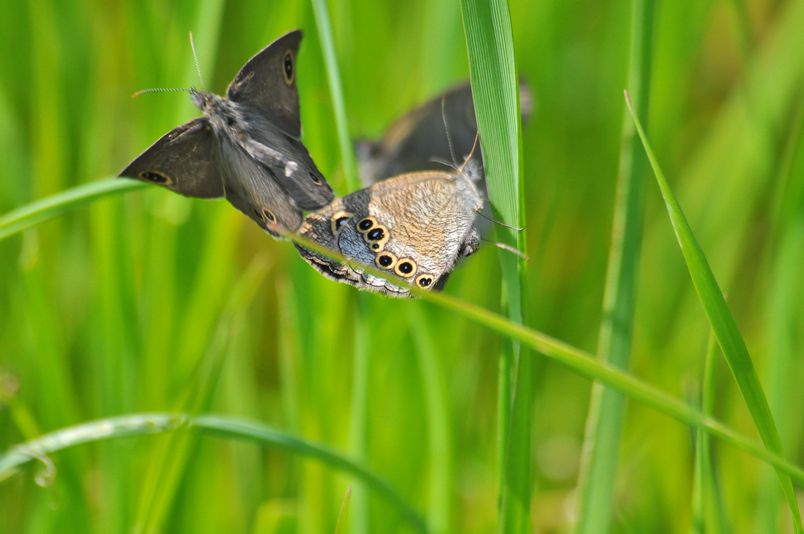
[230, 427]
[587, 365]
[47, 208]
[723, 323]
[495, 88]
[584, 363]
[604, 422]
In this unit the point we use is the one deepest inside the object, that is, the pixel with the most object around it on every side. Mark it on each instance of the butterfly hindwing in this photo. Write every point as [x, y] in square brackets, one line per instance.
[181, 160]
[253, 189]
[414, 226]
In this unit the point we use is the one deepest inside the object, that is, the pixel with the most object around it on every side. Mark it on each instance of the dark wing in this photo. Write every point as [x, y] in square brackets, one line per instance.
[423, 135]
[290, 163]
[181, 160]
[253, 189]
[267, 83]
[419, 137]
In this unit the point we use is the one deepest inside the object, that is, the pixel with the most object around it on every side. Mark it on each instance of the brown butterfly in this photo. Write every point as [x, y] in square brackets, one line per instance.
[246, 148]
[416, 225]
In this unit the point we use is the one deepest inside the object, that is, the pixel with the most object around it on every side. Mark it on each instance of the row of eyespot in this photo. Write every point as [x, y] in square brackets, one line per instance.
[404, 267]
[376, 235]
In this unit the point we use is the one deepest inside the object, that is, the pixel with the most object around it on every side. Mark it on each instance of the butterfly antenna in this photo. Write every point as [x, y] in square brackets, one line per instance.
[509, 248]
[446, 131]
[472, 151]
[160, 90]
[444, 163]
[500, 223]
[195, 59]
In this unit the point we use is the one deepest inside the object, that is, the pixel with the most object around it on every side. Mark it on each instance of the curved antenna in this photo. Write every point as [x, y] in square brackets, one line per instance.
[444, 163]
[471, 152]
[135, 94]
[500, 223]
[197, 63]
[446, 131]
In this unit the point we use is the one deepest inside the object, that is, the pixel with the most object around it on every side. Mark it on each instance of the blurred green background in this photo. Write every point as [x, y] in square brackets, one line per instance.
[152, 302]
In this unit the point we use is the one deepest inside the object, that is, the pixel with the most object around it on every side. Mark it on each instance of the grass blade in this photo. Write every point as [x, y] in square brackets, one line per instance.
[53, 206]
[783, 310]
[723, 323]
[229, 427]
[495, 87]
[586, 365]
[708, 515]
[336, 92]
[343, 514]
[169, 461]
[604, 423]
[358, 437]
[438, 422]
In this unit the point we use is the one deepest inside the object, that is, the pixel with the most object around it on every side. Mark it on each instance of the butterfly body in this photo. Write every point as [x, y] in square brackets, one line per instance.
[247, 147]
[414, 226]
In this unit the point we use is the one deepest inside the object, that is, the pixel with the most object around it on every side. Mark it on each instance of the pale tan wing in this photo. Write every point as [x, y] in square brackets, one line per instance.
[424, 217]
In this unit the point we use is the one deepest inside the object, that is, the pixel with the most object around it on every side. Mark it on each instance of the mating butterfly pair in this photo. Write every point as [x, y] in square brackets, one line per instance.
[413, 221]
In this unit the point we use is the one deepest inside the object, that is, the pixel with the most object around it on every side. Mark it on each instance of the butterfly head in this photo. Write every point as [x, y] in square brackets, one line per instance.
[208, 103]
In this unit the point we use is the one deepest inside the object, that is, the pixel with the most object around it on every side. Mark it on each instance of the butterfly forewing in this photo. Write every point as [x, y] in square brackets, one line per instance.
[180, 160]
[267, 83]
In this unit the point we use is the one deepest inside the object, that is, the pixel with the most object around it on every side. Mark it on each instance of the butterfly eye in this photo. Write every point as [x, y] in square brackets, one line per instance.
[424, 280]
[386, 260]
[156, 177]
[314, 177]
[287, 65]
[405, 268]
[366, 224]
[338, 220]
[268, 215]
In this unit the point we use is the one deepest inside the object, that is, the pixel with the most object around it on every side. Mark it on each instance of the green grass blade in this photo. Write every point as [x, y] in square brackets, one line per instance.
[588, 366]
[604, 422]
[167, 461]
[170, 459]
[358, 431]
[495, 88]
[708, 515]
[723, 323]
[324, 27]
[784, 319]
[358, 438]
[229, 427]
[343, 514]
[438, 422]
[53, 206]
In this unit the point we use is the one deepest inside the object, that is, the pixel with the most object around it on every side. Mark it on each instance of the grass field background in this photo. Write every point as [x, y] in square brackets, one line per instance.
[150, 302]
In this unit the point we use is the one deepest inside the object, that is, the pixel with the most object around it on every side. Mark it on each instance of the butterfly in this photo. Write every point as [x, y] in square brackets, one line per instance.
[247, 147]
[416, 219]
